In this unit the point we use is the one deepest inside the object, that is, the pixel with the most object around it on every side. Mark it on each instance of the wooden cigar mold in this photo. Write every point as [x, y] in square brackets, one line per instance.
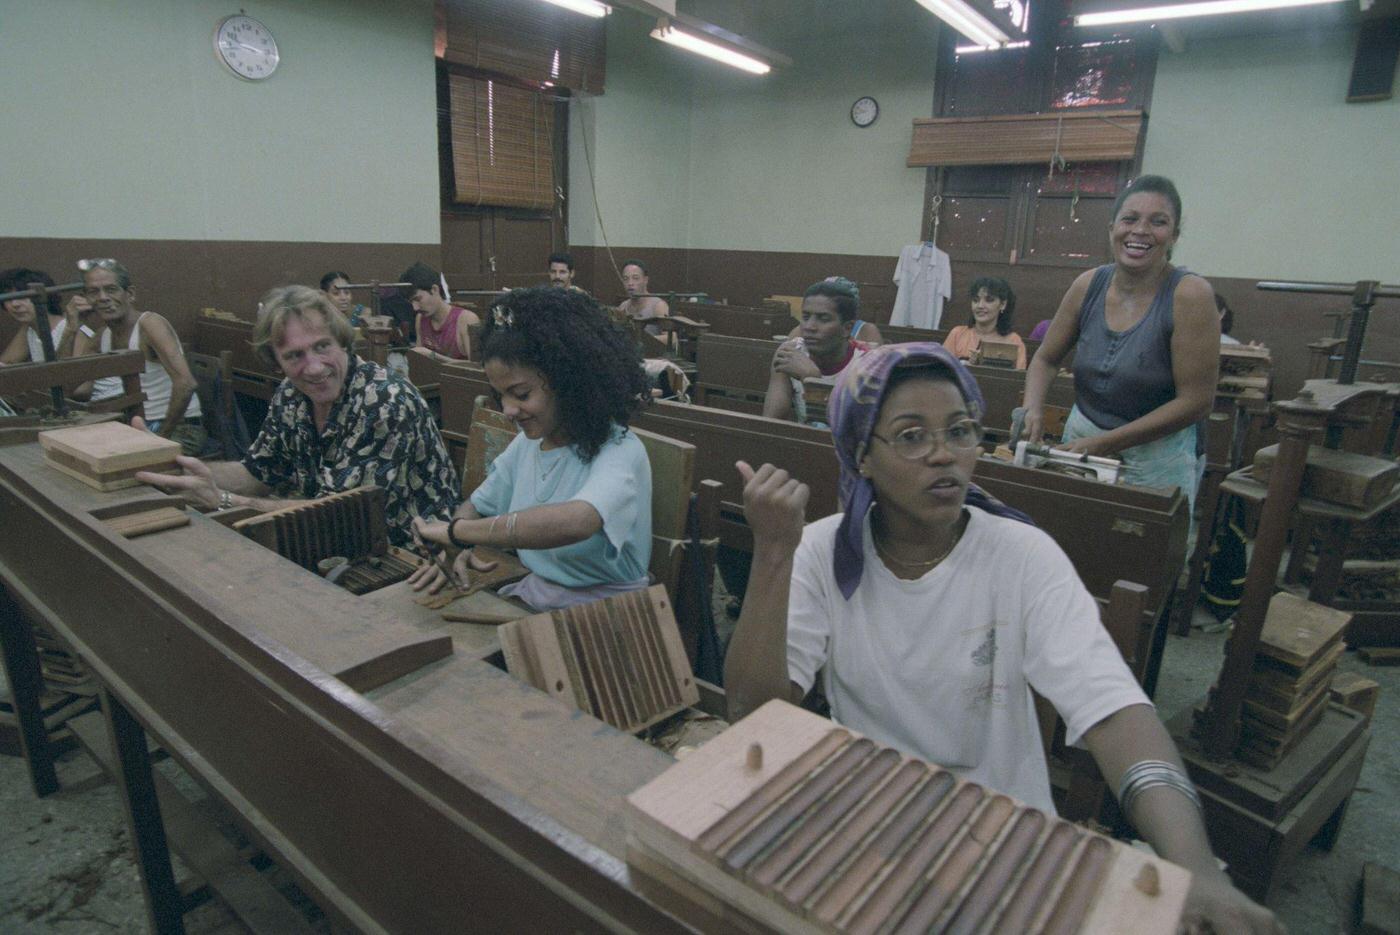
[349, 524]
[107, 455]
[620, 659]
[833, 832]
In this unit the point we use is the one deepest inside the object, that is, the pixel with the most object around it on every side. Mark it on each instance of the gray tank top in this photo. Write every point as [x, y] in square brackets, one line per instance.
[1120, 376]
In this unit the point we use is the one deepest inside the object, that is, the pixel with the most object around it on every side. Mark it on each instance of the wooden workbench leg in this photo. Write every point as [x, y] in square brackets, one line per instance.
[26, 687]
[1331, 553]
[1326, 836]
[164, 906]
[1210, 501]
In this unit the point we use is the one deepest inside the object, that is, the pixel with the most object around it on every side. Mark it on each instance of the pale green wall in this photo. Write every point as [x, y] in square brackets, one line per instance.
[120, 123]
[692, 154]
[638, 137]
[1279, 176]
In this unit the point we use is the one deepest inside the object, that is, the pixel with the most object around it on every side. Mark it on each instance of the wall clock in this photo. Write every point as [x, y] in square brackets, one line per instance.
[864, 112]
[246, 47]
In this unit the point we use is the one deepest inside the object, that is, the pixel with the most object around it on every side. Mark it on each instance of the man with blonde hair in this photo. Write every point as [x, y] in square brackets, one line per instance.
[335, 423]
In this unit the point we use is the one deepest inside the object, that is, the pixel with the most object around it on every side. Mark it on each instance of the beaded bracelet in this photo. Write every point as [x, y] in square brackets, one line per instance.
[452, 538]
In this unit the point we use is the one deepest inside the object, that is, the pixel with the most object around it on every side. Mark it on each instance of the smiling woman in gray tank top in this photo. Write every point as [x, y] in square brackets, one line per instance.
[1146, 342]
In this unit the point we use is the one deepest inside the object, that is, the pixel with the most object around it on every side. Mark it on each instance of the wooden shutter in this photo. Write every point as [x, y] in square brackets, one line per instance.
[502, 144]
[1017, 139]
[525, 39]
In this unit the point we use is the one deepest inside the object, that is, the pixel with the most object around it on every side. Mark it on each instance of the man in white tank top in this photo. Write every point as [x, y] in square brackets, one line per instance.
[167, 382]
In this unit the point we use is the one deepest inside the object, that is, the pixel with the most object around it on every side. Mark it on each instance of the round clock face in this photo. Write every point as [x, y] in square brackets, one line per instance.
[246, 47]
[864, 112]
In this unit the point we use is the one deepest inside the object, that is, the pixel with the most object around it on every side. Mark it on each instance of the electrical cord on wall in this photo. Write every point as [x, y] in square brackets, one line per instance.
[593, 186]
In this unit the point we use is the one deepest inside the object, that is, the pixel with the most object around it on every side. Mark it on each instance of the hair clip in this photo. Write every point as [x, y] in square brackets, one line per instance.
[503, 317]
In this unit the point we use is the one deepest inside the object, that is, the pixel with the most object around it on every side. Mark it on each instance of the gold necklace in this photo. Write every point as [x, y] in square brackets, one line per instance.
[957, 537]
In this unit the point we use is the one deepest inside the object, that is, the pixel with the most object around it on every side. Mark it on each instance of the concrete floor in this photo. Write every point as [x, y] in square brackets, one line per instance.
[65, 865]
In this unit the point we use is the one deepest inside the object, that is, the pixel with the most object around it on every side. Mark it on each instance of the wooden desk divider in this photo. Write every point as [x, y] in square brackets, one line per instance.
[787, 822]
[619, 659]
[348, 524]
[107, 455]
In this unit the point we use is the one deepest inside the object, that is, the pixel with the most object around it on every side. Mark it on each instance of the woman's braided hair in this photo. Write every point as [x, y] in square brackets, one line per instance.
[589, 362]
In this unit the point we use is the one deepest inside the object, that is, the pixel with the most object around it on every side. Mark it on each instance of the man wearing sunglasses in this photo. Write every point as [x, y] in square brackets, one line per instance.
[172, 408]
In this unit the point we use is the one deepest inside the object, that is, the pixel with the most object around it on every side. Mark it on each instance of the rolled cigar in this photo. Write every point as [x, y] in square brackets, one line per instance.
[475, 617]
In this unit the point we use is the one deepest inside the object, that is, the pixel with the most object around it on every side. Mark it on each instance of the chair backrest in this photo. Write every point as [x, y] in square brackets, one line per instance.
[1087, 796]
[213, 374]
[672, 477]
[206, 369]
[491, 432]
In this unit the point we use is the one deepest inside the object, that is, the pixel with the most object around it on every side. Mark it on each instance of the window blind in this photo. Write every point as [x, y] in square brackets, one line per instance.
[1016, 139]
[532, 41]
[1025, 137]
[502, 144]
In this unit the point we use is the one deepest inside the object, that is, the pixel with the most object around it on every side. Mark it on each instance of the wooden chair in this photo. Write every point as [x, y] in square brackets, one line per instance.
[672, 504]
[1086, 795]
[213, 374]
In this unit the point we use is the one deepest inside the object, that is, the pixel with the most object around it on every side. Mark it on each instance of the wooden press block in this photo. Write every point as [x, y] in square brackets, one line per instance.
[1281, 686]
[1337, 476]
[993, 353]
[620, 659]
[107, 455]
[788, 822]
[1380, 901]
[1297, 631]
[1356, 692]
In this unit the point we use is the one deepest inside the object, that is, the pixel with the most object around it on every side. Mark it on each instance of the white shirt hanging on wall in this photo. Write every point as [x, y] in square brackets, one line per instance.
[925, 280]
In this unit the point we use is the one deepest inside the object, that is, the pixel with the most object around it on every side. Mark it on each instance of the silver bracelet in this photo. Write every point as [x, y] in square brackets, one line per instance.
[225, 500]
[1146, 774]
[510, 529]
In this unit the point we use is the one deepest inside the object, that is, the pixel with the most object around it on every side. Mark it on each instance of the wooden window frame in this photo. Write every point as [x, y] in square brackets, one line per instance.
[488, 216]
[1047, 34]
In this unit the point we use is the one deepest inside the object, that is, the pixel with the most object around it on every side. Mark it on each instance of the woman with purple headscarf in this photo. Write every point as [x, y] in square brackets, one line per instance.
[932, 610]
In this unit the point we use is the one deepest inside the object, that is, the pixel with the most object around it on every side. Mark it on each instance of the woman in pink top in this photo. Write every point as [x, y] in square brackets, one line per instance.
[993, 304]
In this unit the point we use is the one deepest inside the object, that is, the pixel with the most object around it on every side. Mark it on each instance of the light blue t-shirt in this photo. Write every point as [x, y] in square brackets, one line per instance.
[616, 483]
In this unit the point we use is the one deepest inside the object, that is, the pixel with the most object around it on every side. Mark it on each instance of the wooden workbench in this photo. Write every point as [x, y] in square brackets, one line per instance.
[436, 794]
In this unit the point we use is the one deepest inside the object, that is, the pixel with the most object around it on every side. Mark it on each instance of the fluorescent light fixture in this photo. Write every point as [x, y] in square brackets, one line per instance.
[667, 31]
[968, 20]
[972, 49]
[587, 7]
[1151, 14]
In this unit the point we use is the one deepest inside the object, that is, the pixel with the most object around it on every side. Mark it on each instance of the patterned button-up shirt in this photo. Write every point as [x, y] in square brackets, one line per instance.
[379, 432]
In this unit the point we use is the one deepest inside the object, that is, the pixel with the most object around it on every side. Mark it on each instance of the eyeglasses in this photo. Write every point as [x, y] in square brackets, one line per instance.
[916, 442]
[105, 263]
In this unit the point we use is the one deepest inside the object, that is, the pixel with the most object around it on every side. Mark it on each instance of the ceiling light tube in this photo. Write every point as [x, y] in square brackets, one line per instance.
[972, 49]
[667, 32]
[587, 7]
[1152, 14]
[967, 20]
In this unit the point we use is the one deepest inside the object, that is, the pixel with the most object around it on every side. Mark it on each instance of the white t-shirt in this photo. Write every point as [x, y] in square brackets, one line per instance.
[36, 349]
[942, 667]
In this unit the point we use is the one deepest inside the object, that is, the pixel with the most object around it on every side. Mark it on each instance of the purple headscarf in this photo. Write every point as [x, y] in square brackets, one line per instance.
[853, 409]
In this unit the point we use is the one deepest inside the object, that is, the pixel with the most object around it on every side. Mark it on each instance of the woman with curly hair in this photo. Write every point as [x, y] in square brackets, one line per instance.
[572, 492]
